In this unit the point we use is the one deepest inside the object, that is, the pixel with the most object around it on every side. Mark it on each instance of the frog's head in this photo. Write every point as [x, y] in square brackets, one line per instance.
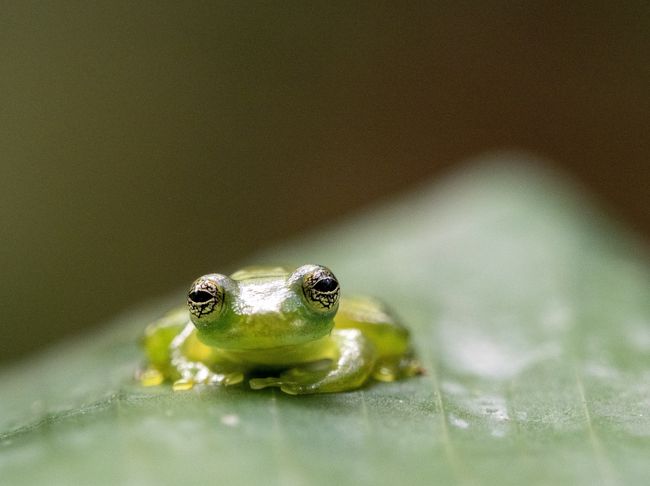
[263, 308]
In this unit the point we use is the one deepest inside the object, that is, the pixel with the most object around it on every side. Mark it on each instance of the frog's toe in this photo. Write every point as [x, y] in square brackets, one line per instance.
[299, 388]
[183, 384]
[259, 383]
[289, 387]
[150, 376]
[228, 378]
[395, 368]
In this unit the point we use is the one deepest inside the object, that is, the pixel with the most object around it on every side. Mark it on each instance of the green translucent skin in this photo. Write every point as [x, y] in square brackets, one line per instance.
[265, 323]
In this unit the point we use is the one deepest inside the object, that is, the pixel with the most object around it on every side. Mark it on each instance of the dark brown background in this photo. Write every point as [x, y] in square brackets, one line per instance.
[144, 143]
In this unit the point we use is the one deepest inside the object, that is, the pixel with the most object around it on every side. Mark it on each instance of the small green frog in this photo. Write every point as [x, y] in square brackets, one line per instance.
[280, 327]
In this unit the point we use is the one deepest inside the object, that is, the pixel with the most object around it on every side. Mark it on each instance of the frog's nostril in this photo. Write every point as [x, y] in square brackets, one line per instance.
[200, 296]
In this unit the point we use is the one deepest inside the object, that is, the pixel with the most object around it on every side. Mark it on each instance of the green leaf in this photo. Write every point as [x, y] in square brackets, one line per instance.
[531, 316]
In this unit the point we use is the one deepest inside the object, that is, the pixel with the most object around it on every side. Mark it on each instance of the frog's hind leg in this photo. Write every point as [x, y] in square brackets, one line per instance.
[393, 368]
[395, 358]
[156, 344]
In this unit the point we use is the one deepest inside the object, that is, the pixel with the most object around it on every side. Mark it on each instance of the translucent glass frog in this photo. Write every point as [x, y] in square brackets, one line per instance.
[278, 327]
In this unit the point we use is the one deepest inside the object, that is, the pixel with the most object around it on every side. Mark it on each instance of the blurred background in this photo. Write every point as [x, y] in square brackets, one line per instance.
[145, 143]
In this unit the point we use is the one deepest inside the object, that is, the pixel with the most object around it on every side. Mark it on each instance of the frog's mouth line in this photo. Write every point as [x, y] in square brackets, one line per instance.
[303, 346]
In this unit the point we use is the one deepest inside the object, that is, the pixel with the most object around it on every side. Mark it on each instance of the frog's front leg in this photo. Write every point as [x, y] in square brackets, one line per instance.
[185, 350]
[351, 369]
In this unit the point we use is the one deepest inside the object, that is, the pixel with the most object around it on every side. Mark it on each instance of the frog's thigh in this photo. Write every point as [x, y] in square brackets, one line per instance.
[155, 342]
[351, 370]
[389, 337]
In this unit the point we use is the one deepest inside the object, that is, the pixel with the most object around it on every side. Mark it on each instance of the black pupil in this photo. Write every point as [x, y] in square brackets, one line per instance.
[200, 296]
[326, 284]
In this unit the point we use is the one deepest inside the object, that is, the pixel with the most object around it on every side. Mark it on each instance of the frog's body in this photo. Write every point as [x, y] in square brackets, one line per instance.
[287, 327]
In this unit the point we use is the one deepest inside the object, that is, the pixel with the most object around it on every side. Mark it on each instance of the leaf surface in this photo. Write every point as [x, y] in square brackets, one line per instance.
[531, 316]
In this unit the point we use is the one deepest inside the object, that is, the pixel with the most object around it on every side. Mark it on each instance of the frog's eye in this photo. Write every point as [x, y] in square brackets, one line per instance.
[321, 289]
[206, 296]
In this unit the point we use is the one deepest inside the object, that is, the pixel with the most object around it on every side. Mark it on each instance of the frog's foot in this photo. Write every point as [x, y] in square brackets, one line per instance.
[296, 381]
[199, 374]
[395, 368]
